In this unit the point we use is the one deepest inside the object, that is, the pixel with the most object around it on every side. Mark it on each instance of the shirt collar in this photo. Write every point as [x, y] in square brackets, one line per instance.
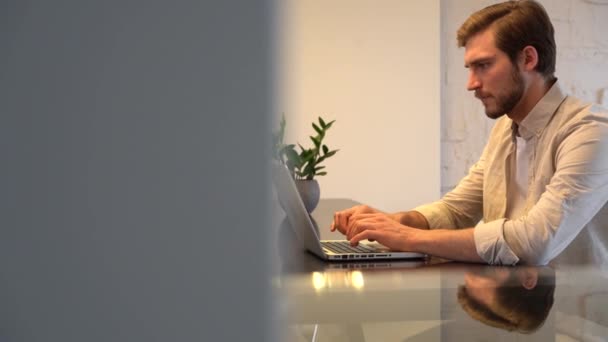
[538, 118]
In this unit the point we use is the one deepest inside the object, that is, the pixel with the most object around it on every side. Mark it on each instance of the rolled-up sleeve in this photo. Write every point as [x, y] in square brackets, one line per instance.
[491, 244]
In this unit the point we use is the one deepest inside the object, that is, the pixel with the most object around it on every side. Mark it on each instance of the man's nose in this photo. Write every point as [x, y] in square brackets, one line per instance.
[474, 82]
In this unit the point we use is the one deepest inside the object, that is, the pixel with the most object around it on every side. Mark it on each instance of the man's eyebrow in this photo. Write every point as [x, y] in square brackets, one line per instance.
[480, 61]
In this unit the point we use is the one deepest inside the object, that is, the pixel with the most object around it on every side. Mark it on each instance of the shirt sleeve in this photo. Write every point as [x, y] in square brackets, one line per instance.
[463, 206]
[491, 244]
[573, 196]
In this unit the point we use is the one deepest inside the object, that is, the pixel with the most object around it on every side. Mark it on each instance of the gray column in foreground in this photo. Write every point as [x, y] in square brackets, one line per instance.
[132, 143]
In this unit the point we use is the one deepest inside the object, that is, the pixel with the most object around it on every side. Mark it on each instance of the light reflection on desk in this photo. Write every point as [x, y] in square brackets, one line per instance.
[326, 280]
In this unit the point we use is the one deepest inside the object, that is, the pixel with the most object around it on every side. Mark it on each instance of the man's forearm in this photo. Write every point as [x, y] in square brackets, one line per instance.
[453, 244]
[411, 219]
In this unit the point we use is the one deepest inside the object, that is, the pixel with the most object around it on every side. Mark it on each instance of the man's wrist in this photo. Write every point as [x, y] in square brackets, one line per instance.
[411, 219]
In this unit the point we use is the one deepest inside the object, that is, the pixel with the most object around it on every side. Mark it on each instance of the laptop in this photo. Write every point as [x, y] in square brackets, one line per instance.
[332, 250]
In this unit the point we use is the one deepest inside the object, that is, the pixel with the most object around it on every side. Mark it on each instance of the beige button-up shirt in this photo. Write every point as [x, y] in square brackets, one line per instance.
[565, 217]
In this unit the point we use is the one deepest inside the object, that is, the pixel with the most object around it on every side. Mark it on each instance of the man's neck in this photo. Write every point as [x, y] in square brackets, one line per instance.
[536, 89]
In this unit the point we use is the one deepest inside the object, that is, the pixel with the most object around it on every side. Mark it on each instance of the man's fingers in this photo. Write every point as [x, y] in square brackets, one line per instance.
[344, 219]
[353, 228]
[337, 223]
[369, 234]
[341, 219]
[361, 216]
[360, 220]
[356, 227]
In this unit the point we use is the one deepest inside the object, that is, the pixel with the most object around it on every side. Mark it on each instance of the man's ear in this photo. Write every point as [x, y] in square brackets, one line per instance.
[529, 278]
[530, 58]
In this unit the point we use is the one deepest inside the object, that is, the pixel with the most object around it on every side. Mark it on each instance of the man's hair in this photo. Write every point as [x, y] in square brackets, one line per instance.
[516, 25]
[515, 308]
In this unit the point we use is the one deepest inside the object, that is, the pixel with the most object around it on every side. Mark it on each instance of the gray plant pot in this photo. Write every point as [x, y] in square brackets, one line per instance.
[309, 192]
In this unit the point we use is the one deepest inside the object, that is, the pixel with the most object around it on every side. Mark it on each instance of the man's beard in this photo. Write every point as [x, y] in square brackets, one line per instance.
[506, 102]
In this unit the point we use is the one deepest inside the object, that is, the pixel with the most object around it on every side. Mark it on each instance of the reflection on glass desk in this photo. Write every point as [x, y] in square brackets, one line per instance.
[432, 299]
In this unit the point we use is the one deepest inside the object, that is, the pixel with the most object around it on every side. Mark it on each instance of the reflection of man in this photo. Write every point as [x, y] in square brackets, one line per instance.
[542, 179]
[509, 298]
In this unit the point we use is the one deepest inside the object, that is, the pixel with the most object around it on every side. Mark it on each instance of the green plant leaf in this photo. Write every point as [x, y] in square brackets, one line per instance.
[293, 156]
[284, 152]
[328, 125]
[322, 122]
[284, 148]
[309, 169]
[290, 165]
[331, 153]
[307, 154]
[320, 131]
[304, 163]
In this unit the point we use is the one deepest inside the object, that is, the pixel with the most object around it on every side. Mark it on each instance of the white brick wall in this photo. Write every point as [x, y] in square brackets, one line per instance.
[581, 29]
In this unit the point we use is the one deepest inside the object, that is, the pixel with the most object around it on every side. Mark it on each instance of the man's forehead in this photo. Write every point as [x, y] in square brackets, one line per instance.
[480, 46]
[478, 57]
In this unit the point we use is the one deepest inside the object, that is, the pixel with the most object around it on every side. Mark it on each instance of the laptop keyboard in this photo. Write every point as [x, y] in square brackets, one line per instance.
[345, 247]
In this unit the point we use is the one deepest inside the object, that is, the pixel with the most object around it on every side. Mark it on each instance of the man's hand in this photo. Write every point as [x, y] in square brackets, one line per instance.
[342, 218]
[408, 218]
[364, 222]
[381, 228]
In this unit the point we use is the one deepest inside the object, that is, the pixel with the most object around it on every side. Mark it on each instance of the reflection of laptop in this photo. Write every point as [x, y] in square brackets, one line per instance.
[308, 235]
[377, 264]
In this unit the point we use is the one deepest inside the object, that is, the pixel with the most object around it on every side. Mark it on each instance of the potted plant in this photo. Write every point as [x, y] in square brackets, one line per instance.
[305, 163]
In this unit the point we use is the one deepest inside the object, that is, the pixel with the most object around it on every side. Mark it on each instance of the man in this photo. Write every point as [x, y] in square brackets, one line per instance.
[515, 299]
[542, 180]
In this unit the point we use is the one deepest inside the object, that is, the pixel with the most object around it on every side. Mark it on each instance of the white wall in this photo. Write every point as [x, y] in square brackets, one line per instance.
[582, 67]
[374, 67]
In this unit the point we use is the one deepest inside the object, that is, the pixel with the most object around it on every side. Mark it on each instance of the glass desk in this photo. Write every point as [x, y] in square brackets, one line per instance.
[431, 299]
